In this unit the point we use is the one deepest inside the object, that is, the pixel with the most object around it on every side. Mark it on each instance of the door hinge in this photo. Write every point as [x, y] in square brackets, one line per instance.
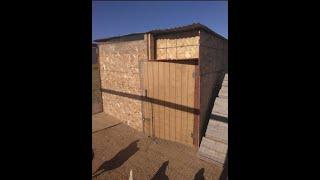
[193, 74]
[191, 135]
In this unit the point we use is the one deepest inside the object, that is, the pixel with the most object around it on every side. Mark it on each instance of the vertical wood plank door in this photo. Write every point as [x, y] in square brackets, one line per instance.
[168, 105]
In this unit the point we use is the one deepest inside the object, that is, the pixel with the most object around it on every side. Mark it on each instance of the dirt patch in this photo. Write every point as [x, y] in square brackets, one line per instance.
[119, 149]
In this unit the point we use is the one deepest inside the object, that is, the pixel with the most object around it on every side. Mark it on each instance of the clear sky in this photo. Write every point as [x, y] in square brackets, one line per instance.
[113, 18]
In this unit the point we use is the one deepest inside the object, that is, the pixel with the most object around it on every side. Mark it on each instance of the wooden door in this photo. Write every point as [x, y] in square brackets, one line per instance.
[168, 106]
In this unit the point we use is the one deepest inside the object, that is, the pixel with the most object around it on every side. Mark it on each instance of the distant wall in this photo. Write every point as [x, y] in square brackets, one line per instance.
[96, 90]
[94, 55]
[120, 76]
[213, 65]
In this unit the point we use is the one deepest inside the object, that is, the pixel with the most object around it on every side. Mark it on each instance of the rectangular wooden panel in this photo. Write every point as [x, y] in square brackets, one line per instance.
[150, 95]
[146, 104]
[172, 99]
[156, 97]
[161, 99]
[190, 116]
[184, 102]
[166, 99]
[178, 102]
[171, 87]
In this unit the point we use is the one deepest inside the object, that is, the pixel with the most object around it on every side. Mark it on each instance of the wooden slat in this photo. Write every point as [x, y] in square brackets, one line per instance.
[161, 98]
[178, 102]
[190, 89]
[184, 102]
[172, 81]
[146, 112]
[167, 99]
[217, 130]
[156, 97]
[150, 95]
[212, 150]
[196, 126]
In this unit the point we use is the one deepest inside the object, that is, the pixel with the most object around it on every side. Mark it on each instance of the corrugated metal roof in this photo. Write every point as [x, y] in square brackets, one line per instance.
[117, 37]
[194, 26]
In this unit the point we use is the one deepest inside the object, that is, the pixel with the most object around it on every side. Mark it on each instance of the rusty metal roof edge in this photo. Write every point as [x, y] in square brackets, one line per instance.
[194, 26]
[115, 37]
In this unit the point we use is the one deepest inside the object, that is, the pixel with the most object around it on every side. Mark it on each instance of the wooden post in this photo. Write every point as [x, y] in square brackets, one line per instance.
[151, 47]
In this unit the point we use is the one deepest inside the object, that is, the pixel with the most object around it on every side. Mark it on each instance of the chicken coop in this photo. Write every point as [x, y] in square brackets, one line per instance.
[163, 82]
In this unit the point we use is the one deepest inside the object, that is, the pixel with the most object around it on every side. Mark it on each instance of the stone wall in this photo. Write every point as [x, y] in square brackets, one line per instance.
[120, 77]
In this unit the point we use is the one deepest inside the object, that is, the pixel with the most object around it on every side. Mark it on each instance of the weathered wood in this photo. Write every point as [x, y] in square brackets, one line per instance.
[197, 106]
[184, 102]
[217, 130]
[150, 95]
[156, 96]
[213, 150]
[214, 145]
[167, 99]
[223, 93]
[172, 72]
[161, 97]
[220, 107]
[178, 102]
[151, 48]
[191, 98]
[172, 96]
[145, 104]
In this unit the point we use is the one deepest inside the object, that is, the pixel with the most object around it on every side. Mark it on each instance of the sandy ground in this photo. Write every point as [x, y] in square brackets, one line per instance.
[119, 149]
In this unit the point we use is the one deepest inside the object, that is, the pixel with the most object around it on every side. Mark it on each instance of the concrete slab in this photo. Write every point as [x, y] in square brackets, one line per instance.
[102, 121]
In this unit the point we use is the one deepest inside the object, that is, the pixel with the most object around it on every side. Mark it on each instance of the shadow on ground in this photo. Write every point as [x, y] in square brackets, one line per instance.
[161, 173]
[120, 158]
[199, 175]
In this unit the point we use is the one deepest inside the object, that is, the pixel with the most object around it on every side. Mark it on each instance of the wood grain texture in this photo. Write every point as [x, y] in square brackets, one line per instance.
[172, 81]
[145, 105]
[167, 99]
[156, 96]
[184, 102]
[178, 102]
[170, 88]
[161, 97]
[190, 92]
[150, 95]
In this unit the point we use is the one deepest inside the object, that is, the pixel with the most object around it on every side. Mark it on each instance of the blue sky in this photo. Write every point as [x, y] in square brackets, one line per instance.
[113, 18]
